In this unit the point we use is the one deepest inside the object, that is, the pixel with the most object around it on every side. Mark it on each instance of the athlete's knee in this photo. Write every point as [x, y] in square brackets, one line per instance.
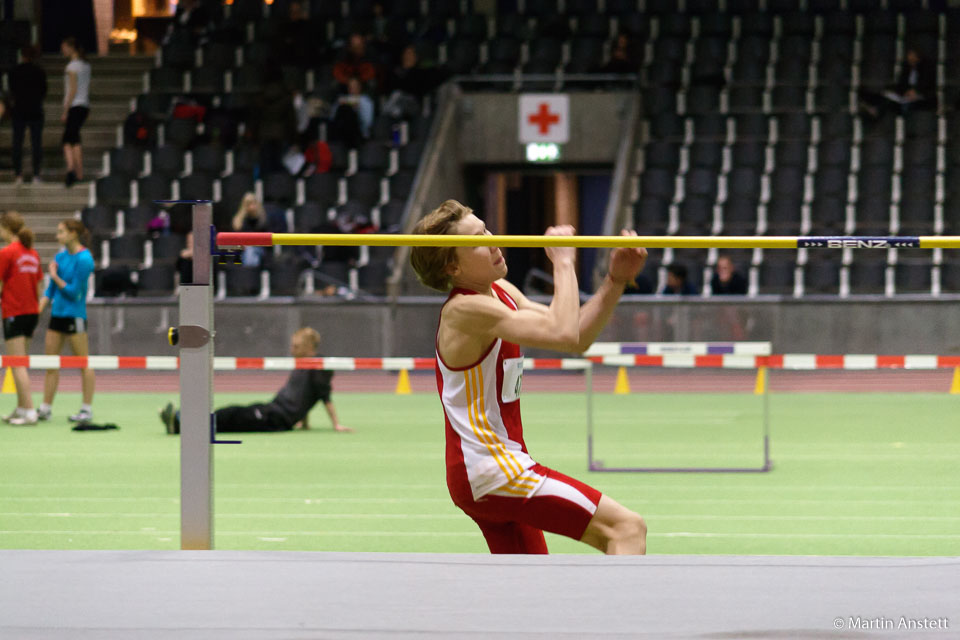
[630, 530]
[632, 526]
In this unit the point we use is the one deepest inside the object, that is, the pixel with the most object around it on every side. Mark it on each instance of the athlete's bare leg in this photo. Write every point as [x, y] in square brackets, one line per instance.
[616, 530]
[18, 347]
[52, 346]
[81, 347]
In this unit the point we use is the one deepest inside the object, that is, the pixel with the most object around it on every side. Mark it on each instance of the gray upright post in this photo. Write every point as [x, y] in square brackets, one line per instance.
[196, 391]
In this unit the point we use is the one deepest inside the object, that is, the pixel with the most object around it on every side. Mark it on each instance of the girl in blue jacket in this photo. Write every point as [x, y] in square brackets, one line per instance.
[67, 296]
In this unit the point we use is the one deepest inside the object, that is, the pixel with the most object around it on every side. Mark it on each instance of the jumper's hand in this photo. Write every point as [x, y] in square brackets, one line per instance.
[342, 429]
[561, 254]
[626, 263]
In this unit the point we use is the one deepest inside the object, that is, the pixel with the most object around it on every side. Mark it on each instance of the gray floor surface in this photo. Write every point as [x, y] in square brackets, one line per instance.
[272, 595]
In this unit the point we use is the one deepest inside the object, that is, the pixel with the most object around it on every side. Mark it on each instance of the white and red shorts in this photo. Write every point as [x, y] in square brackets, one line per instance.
[513, 517]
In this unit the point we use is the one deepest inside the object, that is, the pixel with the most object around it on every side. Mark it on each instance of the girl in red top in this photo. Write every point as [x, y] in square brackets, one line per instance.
[22, 282]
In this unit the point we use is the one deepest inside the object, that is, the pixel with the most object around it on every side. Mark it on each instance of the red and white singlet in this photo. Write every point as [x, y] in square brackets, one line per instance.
[481, 405]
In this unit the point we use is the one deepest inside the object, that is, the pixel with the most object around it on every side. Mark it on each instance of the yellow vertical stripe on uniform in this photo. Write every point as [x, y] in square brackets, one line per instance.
[473, 423]
[487, 438]
[484, 427]
[510, 458]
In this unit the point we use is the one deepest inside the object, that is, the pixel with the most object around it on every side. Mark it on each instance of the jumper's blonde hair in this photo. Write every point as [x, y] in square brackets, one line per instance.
[430, 263]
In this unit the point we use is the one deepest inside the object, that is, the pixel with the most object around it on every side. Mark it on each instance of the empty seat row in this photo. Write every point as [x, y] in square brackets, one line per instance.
[369, 187]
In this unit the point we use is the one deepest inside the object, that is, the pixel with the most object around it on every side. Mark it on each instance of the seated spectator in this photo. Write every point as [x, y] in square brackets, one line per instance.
[408, 84]
[677, 282]
[726, 279]
[311, 110]
[354, 63]
[352, 116]
[623, 57]
[250, 217]
[916, 88]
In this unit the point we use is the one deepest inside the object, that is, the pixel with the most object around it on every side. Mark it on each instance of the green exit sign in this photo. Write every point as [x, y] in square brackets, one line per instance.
[543, 152]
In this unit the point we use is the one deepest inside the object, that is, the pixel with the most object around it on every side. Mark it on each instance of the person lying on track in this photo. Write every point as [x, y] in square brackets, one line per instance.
[291, 406]
[490, 474]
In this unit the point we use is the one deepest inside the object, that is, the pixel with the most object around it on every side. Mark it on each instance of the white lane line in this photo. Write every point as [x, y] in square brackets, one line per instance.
[886, 536]
[458, 516]
[473, 533]
[641, 498]
[612, 480]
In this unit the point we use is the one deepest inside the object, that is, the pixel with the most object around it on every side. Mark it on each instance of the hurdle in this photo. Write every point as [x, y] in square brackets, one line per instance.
[738, 355]
[194, 336]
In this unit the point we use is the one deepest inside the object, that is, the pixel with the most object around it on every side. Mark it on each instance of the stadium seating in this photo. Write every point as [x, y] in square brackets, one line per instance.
[750, 124]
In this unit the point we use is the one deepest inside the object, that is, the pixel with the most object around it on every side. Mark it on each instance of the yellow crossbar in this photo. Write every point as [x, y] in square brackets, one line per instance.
[676, 242]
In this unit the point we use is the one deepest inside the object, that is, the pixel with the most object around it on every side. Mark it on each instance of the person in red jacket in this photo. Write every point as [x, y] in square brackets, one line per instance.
[22, 280]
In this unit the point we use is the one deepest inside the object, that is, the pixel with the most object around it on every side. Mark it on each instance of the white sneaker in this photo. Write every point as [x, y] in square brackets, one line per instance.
[16, 414]
[37, 180]
[44, 414]
[18, 181]
[26, 418]
[84, 415]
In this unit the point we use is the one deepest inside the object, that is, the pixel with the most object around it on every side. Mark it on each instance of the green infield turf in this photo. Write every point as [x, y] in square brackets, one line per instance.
[853, 474]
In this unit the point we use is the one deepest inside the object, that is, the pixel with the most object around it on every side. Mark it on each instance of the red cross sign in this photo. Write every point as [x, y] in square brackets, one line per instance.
[544, 117]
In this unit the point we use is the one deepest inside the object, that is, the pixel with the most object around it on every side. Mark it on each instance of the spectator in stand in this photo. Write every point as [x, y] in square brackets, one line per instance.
[408, 84]
[352, 116]
[355, 63]
[76, 107]
[310, 110]
[916, 88]
[677, 281]
[250, 217]
[727, 281]
[28, 88]
[624, 57]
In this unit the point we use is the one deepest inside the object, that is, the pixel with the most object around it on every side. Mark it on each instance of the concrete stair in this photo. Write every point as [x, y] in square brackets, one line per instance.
[43, 206]
[116, 82]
